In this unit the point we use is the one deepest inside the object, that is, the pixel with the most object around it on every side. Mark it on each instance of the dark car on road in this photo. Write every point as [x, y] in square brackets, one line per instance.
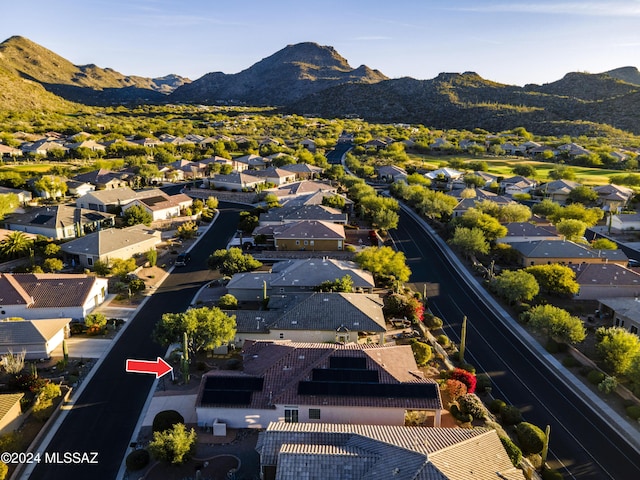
[183, 259]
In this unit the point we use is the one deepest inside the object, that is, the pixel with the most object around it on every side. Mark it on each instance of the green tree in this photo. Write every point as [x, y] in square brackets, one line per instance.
[52, 265]
[516, 286]
[232, 261]
[228, 302]
[385, 219]
[384, 263]
[15, 245]
[52, 186]
[618, 348]
[152, 256]
[207, 328]
[470, 241]
[148, 172]
[334, 201]
[604, 244]
[577, 211]
[555, 279]
[96, 321]
[562, 172]
[571, 229]
[187, 230]
[8, 203]
[175, 446]
[546, 208]
[212, 203]
[136, 215]
[344, 284]
[558, 323]
[421, 351]
[51, 250]
[490, 226]
[121, 267]
[248, 222]
[583, 195]
[514, 212]
[524, 170]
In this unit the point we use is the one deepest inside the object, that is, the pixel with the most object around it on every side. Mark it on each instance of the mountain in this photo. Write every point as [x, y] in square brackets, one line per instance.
[88, 84]
[626, 74]
[284, 77]
[18, 94]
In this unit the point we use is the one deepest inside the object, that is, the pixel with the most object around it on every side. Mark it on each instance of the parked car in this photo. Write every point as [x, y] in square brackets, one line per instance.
[183, 259]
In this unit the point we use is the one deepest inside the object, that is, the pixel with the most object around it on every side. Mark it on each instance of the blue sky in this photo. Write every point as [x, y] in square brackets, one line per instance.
[508, 41]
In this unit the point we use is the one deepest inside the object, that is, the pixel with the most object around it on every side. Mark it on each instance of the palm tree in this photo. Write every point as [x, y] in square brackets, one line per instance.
[15, 245]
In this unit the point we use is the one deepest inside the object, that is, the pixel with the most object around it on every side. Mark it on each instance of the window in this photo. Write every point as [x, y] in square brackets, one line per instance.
[297, 242]
[281, 335]
[306, 242]
[634, 329]
[291, 415]
[314, 414]
[89, 261]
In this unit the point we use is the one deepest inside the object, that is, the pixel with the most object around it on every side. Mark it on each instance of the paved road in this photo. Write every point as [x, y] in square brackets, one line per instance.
[582, 445]
[334, 157]
[104, 416]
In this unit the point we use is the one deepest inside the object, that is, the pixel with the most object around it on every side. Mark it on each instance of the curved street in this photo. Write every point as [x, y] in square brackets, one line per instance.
[583, 445]
[104, 416]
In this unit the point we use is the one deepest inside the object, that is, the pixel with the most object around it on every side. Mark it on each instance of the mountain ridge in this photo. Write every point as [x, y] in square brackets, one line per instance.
[308, 78]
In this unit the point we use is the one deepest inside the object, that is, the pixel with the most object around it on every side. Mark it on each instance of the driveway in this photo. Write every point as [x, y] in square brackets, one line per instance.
[84, 347]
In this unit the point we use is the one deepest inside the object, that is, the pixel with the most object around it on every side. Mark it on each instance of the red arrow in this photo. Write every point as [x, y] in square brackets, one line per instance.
[158, 367]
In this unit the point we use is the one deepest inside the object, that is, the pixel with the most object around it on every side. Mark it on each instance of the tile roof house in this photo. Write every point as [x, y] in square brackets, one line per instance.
[37, 338]
[162, 206]
[291, 451]
[60, 221]
[114, 199]
[277, 176]
[606, 281]
[625, 222]
[285, 381]
[517, 184]
[24, 196]
[77, 189]
[235, 181]
[623, 311]
[305, 212]
[312, 235]
[10, 412]
[526, 231]
[34, 296]
[304, 187]
[7, 151]
[303, 170]
[558, 190]
[543, 252]
[106, 245]
[391, 173]
[104, 179]
[314, 317]
[253, 162]
[613, 198]
[297, 276]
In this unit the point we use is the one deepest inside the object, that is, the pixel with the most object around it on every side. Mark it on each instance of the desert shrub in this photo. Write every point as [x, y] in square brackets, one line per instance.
[633, 412]
[137, 285]
[549, 474]
[531, 438]
[95, 321]
[443, 340]
[77, 328]
[137, 460]
[608, 385]
[228, 302]
[468, 378]
[595, 377]
[458, 415]
[421, 351]
[10, 442]
[514, 452]
[483, 383]
[468, 367]
[472, 405]
[455, 388]
[496, 405]
[510, 415]
[570, 361]
[165, 420]
[432, 322]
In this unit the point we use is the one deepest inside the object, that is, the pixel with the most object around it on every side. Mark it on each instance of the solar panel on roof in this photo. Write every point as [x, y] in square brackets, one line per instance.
[94, 216]
[253, 384]
[348, 362]
[388, 390]
[344, 375]
[235, 397]
[151, 201]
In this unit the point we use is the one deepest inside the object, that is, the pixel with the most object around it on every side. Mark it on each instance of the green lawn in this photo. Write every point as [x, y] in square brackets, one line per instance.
[28, 167]
[502, 166]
